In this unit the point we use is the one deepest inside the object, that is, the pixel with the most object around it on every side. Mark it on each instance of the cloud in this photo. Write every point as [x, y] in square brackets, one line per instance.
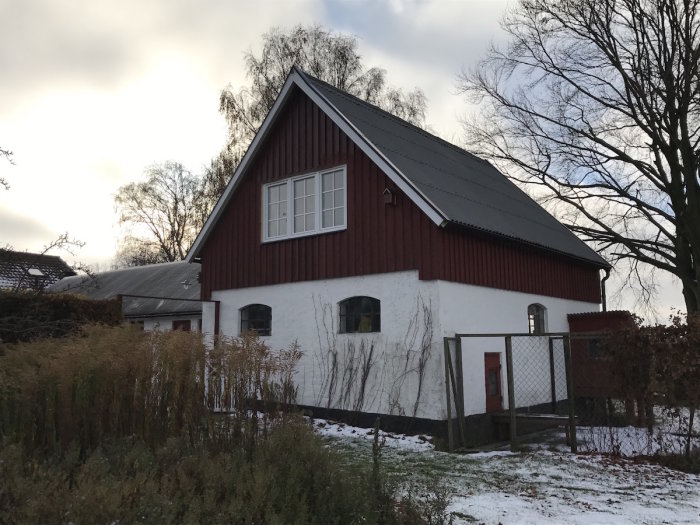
[22, 232]
[450, 34]
[425, 45]
[47, 44]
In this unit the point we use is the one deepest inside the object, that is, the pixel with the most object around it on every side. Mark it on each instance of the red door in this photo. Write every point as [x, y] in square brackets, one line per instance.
[492, 368]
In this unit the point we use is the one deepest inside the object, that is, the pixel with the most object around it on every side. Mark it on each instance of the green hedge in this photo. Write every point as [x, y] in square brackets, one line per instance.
[26, 316]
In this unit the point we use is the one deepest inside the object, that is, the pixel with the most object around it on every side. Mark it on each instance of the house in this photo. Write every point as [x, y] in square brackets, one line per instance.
[367, 240]
[156, 296]
[30, 271]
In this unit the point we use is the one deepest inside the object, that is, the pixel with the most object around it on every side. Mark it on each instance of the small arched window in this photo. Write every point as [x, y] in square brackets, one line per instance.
[536, 318]
[256, 317]
[359, 314]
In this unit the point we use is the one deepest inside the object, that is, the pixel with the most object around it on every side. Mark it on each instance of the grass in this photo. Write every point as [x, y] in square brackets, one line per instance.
[541, 486]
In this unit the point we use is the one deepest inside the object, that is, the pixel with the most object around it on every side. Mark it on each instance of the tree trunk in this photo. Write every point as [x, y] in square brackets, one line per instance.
[691, 294]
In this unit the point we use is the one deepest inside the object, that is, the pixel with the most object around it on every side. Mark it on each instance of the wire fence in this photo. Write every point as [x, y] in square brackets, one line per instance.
[539, 374]
[561, 380]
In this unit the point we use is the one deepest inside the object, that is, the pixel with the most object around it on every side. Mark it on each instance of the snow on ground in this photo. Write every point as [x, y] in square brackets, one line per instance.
[401, 441]
[632, 441]
[547, 486]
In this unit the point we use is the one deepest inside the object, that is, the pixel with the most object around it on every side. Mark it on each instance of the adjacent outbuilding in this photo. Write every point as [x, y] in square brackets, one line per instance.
[156, 296]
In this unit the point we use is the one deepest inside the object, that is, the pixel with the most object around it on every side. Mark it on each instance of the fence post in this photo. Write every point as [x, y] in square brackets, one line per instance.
[552, 376]
[459, 376]
[450, 436]
[511, 393]
[458, 390]
[570, 394]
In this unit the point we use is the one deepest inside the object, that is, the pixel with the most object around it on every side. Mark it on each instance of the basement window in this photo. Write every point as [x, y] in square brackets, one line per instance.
[256, 318]
[536, 318]
[306, 205]
[359, 315]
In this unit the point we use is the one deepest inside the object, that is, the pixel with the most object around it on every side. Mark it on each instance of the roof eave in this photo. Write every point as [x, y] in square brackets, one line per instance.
[598, 261]
[193, 254]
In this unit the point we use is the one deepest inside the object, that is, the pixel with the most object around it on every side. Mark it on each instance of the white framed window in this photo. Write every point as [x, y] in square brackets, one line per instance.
[304, 204]
[333, 199]
[276, 211]
[314, 202]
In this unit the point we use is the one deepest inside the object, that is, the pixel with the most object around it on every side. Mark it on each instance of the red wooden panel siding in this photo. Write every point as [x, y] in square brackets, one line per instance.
[379, 237]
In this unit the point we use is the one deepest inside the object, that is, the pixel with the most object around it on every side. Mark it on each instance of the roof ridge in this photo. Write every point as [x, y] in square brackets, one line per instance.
[384, 113]
[151, 265]
[29, 254]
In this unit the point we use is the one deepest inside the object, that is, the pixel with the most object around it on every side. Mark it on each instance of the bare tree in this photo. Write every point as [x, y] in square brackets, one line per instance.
[163, 215]
[595, 105]
[331, 57]
[8, 156]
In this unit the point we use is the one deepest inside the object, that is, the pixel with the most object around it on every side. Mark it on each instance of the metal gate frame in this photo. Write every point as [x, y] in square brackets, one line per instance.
[454, 385]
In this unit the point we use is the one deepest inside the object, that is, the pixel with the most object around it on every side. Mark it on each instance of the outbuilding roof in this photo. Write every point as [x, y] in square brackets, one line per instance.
[31, 270]
[447, 183]
[164, 281]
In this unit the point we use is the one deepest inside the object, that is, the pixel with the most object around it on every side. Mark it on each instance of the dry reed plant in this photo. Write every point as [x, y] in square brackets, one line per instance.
[108, 383]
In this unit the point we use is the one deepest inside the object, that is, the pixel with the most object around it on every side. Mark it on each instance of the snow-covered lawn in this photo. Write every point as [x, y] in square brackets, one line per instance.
[547, 486]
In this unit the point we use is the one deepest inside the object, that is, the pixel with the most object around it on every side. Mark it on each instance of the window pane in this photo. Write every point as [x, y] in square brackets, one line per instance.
[338, 219]
[310, 183]
[310, 204]
[327, 181]
[327, 218]
[310, 222]
[283, 226]
[298, 223]
[338, 198]
[274, 194]
[298, 188]
[535, 316]
[283, 192]
[339, 179]
[272, 213]
[327, 200]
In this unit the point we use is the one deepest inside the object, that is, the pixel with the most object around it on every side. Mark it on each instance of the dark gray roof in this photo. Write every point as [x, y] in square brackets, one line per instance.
[464, 188]
[15, 269]
[155, 280]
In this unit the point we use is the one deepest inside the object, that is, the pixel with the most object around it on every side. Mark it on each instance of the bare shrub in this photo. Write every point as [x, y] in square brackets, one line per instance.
[660, 366]
[354, 372]
[108, 383]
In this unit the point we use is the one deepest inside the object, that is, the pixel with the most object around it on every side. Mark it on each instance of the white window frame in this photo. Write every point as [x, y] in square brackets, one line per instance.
[318, 211]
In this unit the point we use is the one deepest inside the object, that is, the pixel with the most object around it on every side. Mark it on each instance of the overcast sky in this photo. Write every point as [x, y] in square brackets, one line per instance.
[92, 92]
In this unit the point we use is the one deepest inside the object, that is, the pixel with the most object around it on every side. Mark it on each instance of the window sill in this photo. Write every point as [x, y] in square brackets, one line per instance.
[305, 234]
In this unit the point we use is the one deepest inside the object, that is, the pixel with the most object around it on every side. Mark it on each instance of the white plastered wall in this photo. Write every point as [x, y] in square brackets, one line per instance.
[395, 362]
[471, 309]
[406, 354]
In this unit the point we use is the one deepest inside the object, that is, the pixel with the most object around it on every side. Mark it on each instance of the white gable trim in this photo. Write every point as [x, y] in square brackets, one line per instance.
[398, 178]
[297, 78]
